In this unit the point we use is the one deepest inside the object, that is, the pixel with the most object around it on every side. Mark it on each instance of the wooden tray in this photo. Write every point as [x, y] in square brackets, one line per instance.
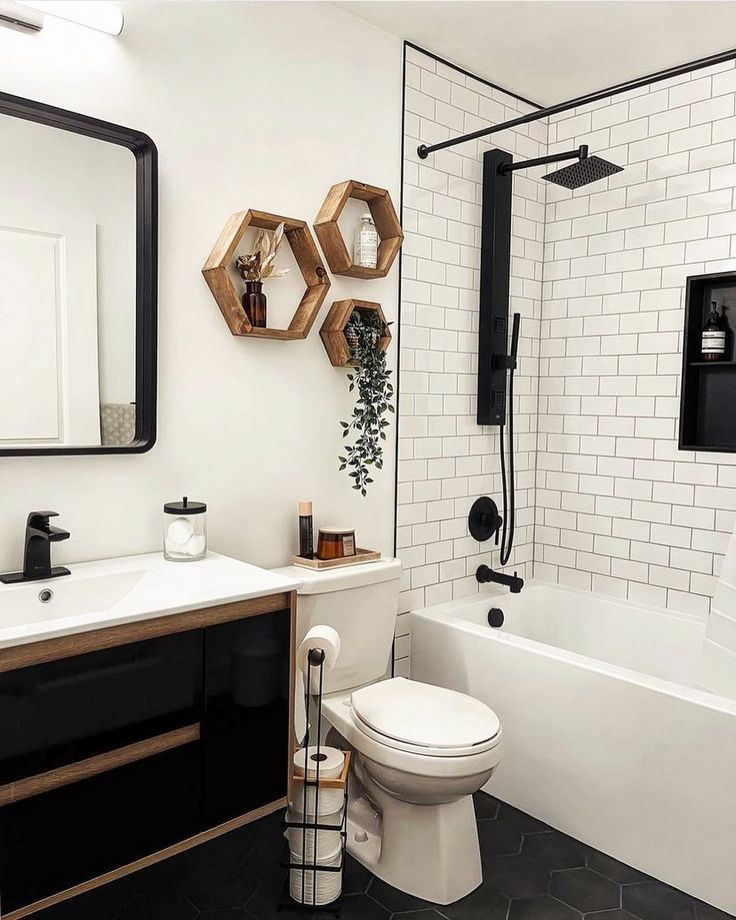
[361, 555]
[335, 782]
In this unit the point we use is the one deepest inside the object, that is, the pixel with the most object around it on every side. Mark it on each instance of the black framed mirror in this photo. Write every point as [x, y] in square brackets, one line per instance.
[78, 283]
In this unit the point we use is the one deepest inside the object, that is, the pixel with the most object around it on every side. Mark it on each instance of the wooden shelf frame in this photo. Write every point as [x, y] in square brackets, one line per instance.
[307, 257]
[332, 332]
[391, 236]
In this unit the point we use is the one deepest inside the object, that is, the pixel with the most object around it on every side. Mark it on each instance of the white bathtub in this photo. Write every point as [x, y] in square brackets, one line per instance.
[606, 737]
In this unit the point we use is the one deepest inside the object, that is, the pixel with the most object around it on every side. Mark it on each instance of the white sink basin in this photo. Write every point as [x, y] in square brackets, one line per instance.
[115, 591]
[65, 597]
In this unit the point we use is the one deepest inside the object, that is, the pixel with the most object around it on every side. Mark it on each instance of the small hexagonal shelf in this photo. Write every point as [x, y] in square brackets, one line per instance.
[307, 257]
[338, 256]
[332, 332]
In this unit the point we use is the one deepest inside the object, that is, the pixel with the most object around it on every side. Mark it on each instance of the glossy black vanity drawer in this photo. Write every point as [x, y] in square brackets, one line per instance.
[245, 731]
[52, 842]
[65, 711]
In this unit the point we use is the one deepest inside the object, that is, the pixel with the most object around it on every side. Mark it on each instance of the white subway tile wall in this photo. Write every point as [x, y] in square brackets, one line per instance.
[606, 501]
[620, 510]
[445, 459]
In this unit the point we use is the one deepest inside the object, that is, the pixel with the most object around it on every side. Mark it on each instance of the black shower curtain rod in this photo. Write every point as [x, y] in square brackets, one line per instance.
[423, 150]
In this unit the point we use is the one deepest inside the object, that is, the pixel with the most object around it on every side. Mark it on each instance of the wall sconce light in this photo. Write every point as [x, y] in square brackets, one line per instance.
[94, 14]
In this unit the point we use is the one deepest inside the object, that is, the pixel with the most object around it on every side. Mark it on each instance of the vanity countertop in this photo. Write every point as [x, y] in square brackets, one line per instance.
[127, 589]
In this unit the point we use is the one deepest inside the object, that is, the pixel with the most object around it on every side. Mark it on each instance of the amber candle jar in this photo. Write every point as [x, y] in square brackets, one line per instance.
[335, 543]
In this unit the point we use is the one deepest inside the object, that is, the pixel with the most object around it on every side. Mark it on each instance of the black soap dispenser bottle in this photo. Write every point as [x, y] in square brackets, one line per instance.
[713, 343]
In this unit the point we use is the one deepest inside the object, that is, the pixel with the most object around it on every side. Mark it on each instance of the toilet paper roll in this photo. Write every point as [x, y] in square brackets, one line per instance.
[326, 638]
[308, 843]
[325, 888]
[327, 761]
[307, 799]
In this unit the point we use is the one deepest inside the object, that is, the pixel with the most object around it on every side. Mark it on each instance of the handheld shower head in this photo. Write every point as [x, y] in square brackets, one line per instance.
[586, 170]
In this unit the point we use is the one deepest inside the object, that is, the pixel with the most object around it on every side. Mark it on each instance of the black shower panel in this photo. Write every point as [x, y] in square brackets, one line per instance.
[495, 259]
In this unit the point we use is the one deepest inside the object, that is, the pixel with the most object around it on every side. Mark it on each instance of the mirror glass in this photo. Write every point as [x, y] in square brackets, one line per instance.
[67, 289]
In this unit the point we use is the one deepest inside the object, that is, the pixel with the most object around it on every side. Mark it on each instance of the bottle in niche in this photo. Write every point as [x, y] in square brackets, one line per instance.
[365, 254]
[713, 346]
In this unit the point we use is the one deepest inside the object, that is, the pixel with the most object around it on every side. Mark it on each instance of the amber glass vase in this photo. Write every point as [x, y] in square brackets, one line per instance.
[254, 304]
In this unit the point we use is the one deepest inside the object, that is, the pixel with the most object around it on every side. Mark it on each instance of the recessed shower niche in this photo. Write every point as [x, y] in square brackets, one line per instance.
[708, 398]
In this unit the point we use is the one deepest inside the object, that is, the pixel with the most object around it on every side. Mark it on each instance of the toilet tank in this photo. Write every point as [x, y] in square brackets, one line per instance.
[361, 603]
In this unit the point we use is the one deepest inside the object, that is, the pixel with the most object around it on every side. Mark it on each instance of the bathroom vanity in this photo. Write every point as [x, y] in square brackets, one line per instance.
[144, 708]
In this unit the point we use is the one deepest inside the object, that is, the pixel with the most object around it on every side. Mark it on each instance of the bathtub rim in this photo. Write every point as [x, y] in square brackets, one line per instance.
[446, 613]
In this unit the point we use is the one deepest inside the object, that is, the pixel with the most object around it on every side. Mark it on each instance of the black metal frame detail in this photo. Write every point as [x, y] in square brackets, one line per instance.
[146, 263]
[423, 150]
[313, 709]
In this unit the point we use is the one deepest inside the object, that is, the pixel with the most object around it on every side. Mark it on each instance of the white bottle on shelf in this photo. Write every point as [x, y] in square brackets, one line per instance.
[366, 243]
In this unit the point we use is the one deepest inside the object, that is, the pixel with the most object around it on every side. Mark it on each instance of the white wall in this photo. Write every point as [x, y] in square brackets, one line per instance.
[261, 105]
[620, 509]
[446, 460]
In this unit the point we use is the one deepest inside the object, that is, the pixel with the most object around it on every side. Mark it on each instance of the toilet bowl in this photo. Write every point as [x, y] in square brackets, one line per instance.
[420, 753]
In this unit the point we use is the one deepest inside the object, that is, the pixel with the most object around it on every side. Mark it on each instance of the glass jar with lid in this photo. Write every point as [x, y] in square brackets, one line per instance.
[185, 531]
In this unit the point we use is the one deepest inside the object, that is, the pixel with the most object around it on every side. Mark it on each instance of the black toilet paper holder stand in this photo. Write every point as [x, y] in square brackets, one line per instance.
[313, 708]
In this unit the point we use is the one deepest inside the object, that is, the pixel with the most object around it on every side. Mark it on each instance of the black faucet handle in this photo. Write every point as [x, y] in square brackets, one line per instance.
[40, 519]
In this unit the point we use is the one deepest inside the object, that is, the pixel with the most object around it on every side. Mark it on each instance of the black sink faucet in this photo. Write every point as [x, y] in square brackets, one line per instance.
[37, 556]
[485, 573]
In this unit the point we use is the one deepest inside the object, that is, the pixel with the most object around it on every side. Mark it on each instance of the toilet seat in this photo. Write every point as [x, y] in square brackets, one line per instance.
[424, 719]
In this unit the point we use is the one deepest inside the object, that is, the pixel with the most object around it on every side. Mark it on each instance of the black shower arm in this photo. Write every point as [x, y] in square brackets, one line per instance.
[581, 153]
[423, 150]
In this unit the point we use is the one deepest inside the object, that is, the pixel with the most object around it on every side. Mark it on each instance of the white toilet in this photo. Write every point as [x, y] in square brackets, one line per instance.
[420, 751]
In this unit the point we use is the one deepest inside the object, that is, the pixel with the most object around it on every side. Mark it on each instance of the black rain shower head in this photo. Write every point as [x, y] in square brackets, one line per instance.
[586, 170]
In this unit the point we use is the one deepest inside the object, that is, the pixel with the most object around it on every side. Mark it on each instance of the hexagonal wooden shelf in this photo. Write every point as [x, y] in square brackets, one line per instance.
[307, 257]
[332, 332]
[338, 256]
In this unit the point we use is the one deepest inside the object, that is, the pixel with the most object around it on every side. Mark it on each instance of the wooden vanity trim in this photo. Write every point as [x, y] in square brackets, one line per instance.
[23, 656]
[146, 861]
[100, 763]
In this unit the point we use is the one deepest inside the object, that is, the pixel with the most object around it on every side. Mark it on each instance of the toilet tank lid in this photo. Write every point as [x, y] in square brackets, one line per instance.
[342, 577]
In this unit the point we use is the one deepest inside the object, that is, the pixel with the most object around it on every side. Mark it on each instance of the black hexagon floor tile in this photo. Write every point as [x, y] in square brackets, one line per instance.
[585, 890]
[544, 908]
[617, 914]
[706, 912]
[498, 838]
[238, 877]
[415, 915]
[237, 914]
[617, 871]
[160, 906]
[554, 850]
[657, 901]
[482, 904]
[486, 807]
[219, 887]
[361, 907]
[167, 875]
[521, 820]
[355, 877]
[396, 901]
[516, 877]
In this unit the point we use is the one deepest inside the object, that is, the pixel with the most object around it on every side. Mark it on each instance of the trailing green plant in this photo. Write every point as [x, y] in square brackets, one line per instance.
[370, 380]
